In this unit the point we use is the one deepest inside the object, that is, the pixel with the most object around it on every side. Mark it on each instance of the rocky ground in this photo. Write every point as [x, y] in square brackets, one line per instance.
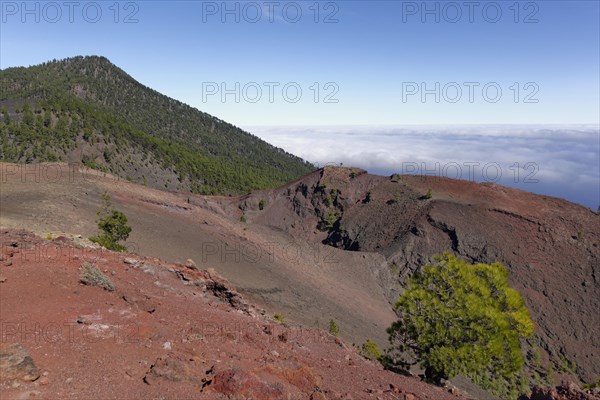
[165, 331]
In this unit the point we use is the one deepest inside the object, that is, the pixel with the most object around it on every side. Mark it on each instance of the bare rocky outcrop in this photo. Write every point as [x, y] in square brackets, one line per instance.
[174, 368]
[565, 391]
[16, 364]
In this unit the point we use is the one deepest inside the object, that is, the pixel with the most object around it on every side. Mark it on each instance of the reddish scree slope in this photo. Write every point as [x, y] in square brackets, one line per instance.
[167, 331]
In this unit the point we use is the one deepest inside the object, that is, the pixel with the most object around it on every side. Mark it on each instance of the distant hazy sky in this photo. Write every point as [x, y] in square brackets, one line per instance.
[371, 53]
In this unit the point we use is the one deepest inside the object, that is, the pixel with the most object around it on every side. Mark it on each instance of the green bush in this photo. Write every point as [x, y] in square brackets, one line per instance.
[550, 374]
[370, 350]
[261, 204]
[566, 365]
[458, 318]
[279, 318]
[113, 225]
[329, 219]
[333, 327]
[592, 385]
[536, 357]
[91, 275]
[328, 200]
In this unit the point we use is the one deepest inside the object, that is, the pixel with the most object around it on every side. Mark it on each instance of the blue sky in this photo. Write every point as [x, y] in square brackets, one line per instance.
[362, 64]
[373, 49]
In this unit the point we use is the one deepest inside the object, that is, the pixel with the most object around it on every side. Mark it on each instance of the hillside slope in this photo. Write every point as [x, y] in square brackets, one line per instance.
[85, 109]
[550, 246]
[166, 332]
[339, 244]
[308, 283]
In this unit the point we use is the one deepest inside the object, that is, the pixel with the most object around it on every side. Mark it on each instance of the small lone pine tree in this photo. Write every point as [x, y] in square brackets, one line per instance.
[333, 327]
[113, 225]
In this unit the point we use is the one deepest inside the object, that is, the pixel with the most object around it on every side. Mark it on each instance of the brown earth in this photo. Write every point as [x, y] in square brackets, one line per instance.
[167, 331]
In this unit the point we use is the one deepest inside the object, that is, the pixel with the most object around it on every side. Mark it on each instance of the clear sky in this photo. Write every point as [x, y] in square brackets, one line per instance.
[375, 58]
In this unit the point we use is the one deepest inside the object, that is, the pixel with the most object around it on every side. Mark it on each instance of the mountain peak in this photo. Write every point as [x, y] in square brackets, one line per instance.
[93, 112]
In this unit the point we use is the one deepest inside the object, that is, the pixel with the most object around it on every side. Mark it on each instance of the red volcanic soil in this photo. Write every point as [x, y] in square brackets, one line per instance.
[282, 258]
[167, 331]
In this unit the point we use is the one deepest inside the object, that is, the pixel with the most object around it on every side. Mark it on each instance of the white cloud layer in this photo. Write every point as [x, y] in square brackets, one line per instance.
[562, 161]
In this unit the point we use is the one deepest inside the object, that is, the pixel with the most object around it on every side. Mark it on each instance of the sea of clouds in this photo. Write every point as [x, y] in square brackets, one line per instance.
[560, 161]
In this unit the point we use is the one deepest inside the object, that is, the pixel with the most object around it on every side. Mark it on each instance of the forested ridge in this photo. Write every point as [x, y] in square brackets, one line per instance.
[85, 109]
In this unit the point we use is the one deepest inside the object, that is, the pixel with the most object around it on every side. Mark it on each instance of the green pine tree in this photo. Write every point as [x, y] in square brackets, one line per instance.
[458, 318]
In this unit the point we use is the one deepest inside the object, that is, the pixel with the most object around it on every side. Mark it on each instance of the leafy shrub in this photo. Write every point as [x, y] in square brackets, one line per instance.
[536, 357]
[243, 219]
[261, 204]
[566, 365]
[370, 350]
[328, 200]
[329, 219]
[279, 318]
[592, 385]
[428, 195]
[550, 374]
[333, 327]
[113, 225]
[459, 318]
[321, 187]
[91, 275]
[536, 378]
